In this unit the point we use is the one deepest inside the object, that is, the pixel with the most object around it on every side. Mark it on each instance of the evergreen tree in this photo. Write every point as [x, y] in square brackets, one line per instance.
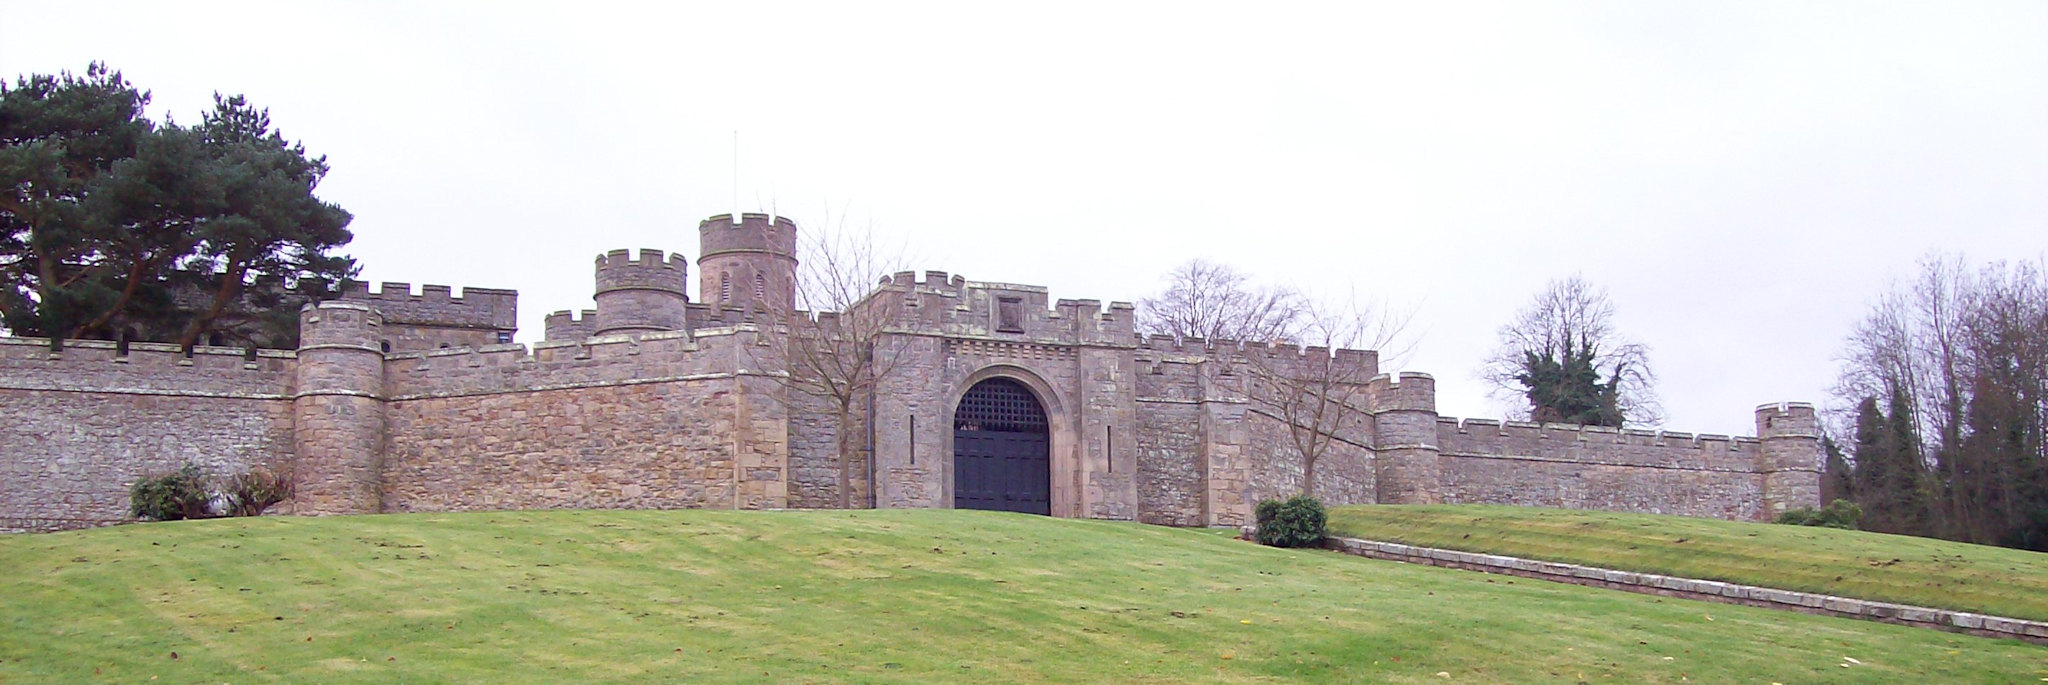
[112, 226]
[1837, 480]
[1563, 386]
[1890, 479]
[59, 135]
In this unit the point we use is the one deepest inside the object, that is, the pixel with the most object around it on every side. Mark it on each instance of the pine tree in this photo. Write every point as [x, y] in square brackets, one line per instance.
[112, 226]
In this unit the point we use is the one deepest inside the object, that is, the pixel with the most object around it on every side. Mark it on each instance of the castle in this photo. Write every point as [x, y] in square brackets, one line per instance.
[398, 401]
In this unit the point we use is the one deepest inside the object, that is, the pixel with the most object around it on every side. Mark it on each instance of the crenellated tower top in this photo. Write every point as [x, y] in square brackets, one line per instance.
[641, 293]
[747, 264]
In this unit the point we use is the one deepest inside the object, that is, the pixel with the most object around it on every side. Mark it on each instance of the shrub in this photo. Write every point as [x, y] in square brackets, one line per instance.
[1296, 522]
[250, 492]
[1840, 513]
[180, 494]
[188, 494]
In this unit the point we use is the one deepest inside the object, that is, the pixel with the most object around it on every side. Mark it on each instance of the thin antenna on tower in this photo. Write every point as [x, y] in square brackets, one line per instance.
[735, 176]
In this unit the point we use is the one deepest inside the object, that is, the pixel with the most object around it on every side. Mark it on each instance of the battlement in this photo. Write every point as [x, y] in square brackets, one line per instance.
[341, 323]
[570, 325]
[932, 279]
[752, 233]
[1787, 419]
[437, 305]
[146, 368]
[1094, 323]
[1408, 391]
[1562, 433]
[622, 270]
[1354, 365]
[603, 360]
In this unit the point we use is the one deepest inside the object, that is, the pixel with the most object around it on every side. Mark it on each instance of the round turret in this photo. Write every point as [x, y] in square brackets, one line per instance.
[338, 409]
[643, 295]
[1404, 420]
[1789, 457]
[747, 265]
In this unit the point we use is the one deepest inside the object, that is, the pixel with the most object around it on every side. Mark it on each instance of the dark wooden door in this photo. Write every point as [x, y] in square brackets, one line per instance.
[1002, 455]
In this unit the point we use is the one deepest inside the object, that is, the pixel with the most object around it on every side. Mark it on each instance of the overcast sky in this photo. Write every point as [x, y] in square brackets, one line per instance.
[1742, 177]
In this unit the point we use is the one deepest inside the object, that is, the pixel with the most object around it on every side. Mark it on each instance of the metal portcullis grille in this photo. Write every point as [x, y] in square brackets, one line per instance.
[1000, 404]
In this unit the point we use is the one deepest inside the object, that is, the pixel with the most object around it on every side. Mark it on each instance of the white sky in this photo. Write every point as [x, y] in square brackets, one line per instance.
[1743, 177]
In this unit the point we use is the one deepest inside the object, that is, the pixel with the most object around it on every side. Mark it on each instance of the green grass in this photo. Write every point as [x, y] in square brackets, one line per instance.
[873, 596]
[1847, 563]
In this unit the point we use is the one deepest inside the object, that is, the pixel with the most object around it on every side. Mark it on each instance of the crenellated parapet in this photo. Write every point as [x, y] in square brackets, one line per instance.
[488, 309]
[160, 369]
[1089, 322]
[599, 361]
[1344, 366]
[640, 294]
[565, 324]
[1409, 391]
[754, 232]
[748, 263]
[651, 269]
[951, 304]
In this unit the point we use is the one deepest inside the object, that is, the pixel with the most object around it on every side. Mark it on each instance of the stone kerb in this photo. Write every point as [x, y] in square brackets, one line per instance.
[1690, 588]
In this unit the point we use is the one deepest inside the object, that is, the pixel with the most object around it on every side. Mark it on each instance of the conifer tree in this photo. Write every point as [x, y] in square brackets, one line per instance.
[113, 226]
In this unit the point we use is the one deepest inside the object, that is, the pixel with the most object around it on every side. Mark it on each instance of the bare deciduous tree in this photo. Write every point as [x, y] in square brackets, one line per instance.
[1958, 361]
[1212, 301]
[1909, 345]
[1319, 395]
[1570, 327]
[832, 342]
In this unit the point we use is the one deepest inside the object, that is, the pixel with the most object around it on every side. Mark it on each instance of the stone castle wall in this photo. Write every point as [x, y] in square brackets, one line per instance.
[657, 422]
[77, 430]
[1580, 467]
[653, 401]
[436, 318]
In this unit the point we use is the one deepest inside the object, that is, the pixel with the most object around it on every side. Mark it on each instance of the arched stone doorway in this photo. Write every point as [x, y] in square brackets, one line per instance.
[1002, 449]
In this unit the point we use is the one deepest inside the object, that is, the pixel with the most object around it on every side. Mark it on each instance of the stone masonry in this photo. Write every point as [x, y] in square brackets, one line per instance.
[398, 402]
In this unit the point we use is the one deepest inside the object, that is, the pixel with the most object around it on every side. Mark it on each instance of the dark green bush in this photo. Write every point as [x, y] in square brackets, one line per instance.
[1840, 513]
[1296, 522]
[180, 494]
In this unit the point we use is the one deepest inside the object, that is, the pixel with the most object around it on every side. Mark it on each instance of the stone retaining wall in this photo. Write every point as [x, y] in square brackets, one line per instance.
[1706, 590]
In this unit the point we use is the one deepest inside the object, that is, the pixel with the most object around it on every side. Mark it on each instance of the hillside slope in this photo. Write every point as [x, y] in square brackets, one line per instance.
[873, 596]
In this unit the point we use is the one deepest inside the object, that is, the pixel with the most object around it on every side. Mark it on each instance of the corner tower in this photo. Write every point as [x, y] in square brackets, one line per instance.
[338, 410]
[747, 264]
[1406, 469]
[1788, 458]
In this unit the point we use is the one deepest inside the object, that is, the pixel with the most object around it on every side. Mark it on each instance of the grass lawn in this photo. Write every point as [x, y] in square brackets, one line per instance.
[1847, 563]
[868, 596]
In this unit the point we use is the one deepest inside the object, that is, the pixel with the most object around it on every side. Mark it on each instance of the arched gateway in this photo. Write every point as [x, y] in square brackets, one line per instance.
[1002, 455]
